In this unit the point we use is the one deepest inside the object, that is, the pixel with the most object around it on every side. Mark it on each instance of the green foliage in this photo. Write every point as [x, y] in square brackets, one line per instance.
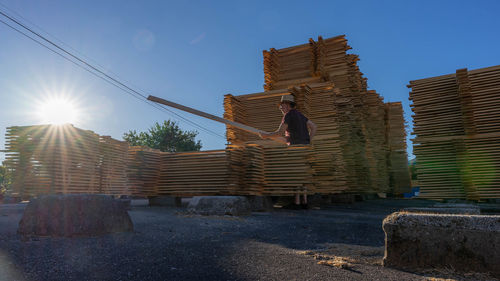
[4, 178]
[165, 137]
[413, 169]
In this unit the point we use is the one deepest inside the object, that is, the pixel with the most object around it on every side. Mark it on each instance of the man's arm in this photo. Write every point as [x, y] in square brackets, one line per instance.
[276, 135]
[312, 129]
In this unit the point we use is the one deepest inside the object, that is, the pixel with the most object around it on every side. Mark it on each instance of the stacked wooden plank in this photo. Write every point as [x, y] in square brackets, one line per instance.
[235, 111]
[250, 169]
[334, 64]
[328, 161]
[484, 92]
[399, 177]
[143, 170]
[194, 173]
[457, 127]
[290, 66]
[483, 161]
[259, 110]
[287, 170]
[113, 166]
[376, 143]
[480, 166]
[52, 159]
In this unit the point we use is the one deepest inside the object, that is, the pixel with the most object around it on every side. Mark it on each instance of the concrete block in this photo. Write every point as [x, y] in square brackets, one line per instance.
[467, 243]
[435, 210]
[165, 201]
[219, 205]
[74, 215]
[260, 203]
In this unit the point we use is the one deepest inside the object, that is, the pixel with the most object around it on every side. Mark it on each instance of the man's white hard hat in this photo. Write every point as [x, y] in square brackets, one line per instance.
[287, 98]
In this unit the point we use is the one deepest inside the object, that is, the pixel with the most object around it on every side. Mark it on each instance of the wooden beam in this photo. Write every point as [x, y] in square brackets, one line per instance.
[206, 115]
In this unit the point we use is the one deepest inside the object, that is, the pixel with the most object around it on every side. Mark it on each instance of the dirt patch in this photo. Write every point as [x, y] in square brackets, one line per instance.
[347, 256]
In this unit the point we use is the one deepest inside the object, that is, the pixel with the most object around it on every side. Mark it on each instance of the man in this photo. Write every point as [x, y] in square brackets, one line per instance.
[296, 128]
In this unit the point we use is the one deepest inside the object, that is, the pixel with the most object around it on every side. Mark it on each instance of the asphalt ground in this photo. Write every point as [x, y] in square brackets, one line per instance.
[336, 242]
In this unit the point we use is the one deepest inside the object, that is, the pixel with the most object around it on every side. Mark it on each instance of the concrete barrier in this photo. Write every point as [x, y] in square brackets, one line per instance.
[219, 205]
[74, 215]
[445, 210]
[467, 243]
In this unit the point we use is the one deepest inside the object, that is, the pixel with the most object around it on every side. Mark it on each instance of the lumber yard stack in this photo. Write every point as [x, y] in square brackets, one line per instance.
[113, 166]
[457, 128]
[259, 168]
[350, 151]
[397, 159]
[194, 173]
[143, 170]
[63, 159]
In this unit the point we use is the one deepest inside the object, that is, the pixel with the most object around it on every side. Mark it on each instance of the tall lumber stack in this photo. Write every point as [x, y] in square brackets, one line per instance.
[328, 161]
[457, 128]
[334, 64]
[399, 177]
[374, 117]
[350, 149]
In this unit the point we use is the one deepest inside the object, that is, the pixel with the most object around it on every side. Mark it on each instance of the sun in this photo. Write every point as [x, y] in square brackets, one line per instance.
[57, 111]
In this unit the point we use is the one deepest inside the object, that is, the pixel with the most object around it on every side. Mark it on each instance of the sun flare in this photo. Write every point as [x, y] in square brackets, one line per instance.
[57, 111]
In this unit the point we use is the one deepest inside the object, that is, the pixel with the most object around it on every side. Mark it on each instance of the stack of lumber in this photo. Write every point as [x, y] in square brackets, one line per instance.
[350, 149]
[251, 178]
[328, 162]
[113, 166]
[235, 111]
[287, 170]
[259, 110]
[290, 66]
[334, 64]
[457, 128]
[52, 159]
[399, 177]
[376, 142]
[269, 168]
[194, 173]
[143, 170]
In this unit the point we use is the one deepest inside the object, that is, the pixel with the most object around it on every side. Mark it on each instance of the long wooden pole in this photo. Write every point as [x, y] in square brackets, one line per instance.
[206, 115]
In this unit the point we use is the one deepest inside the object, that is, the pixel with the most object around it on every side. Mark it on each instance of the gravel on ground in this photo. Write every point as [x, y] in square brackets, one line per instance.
[336, 242]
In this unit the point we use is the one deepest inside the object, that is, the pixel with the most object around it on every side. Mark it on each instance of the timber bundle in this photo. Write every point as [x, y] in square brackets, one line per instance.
[359, 146]
[63, 159]
[457, 128]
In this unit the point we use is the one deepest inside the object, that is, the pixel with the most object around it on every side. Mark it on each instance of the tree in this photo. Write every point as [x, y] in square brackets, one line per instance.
[4, 179]
[165, 137]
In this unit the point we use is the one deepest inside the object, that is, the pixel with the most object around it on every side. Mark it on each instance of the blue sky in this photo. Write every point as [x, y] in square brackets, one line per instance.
[194, 52]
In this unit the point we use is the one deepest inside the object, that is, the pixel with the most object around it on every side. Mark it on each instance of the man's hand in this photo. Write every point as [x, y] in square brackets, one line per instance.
[264, 135]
